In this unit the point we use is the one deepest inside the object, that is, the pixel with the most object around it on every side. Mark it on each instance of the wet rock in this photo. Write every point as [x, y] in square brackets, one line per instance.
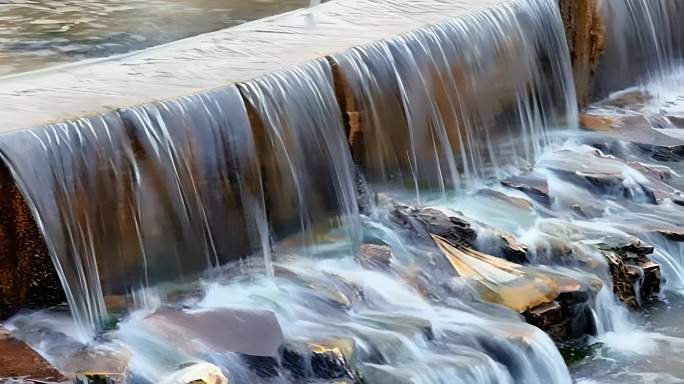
[383, 374]
[569, 316]
[332, 359]
[646, 278]
[409, 326]
[19, 361]
[334, 290]
[623, 285]
[197, 373]
[499, 281]
[425, 222]
[630, 247]
[636, 278]
[532, 184]
[628, 99]
[508, 199]
[674, 234]
[546, 316]
[251, 333]
[636, 130]
[676, 121]
[99, 365]
[458, 229]
[372, 256]
[511, 249]
[609, 176]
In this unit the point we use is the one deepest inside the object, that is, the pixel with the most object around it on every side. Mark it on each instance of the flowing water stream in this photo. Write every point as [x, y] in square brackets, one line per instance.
[247, 207]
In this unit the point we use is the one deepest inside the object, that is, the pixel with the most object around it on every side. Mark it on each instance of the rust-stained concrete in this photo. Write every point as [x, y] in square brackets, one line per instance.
[585, 33]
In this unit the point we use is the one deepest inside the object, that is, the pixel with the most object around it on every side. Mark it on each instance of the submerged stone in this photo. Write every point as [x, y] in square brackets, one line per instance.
[532, 184]
[99, 365]
[246, 332]
[19, 361]
[373, 256]
[556, 303]
[333, 290]
[197, 373]
[331, 359]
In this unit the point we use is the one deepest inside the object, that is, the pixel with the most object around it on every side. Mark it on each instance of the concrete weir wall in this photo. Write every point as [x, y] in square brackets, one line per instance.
[197, 65]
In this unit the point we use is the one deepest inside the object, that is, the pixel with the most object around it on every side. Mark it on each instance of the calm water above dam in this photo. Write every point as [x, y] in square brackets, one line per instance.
[40, 33]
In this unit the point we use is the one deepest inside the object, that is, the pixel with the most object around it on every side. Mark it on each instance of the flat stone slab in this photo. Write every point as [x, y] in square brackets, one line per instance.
[216, 59]
[18, 360]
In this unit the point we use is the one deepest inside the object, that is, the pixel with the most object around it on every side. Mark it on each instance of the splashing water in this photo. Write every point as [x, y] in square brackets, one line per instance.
[246, 198]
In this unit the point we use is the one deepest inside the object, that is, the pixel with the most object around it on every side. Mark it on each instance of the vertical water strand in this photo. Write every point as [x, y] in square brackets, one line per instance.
[306, 166]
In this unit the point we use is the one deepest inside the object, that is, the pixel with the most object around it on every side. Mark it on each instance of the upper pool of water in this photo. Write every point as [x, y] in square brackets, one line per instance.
[39, 33]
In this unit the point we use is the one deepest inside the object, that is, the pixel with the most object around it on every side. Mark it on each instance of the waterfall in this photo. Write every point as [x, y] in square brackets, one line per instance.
[248, 193]
[307, 168]
[461, 101]
[643, 41]
[143, 195]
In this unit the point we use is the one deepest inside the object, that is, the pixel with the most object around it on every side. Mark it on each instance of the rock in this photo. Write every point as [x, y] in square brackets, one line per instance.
[572, 318]
[499, 281]
[331, 359]
[629, 99]
[545, 316]
[383, 374]
[601, 123]
[425, 222]
[197, 373]
[636, 130]
[409, 326]
[517, 202]
[676, 121]
[18, 360]
[645, 276]
[512, 250]
[334, 290]
[630, 247]
[609, 176]
[623, 286]
[532, 184]
[245, 332]
[99, 365]
[372, 256]
[458, 229]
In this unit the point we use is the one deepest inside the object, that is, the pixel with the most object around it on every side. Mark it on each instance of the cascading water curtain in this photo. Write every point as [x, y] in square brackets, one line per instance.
[451, 105]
